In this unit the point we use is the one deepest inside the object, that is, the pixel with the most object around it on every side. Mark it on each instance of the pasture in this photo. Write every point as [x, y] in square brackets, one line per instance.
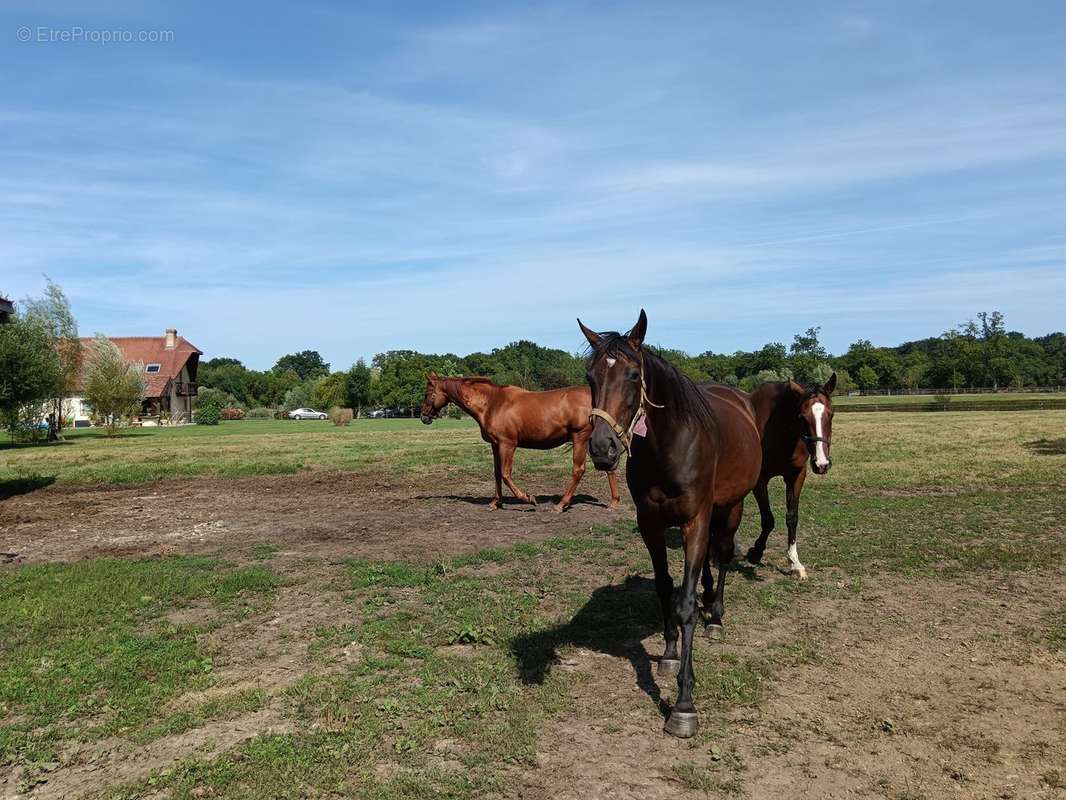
[274, 609]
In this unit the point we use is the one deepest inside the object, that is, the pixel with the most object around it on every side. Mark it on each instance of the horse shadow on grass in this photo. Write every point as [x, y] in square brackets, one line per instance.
[16, 486]
[1047, 447]
[615, 621]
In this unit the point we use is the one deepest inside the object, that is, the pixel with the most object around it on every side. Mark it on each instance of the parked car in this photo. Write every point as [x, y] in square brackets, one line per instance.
[376, 414]
[307, 413]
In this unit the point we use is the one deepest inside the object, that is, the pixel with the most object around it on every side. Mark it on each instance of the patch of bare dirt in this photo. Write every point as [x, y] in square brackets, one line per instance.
[327, 515]
[917, 689]
[117, 761]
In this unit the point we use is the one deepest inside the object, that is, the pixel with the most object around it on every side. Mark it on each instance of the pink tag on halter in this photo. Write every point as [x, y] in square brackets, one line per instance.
[641, 428]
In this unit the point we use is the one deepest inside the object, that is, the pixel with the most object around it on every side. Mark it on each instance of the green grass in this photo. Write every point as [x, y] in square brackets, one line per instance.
[872, 450]
[1001, 401]
[87, 652]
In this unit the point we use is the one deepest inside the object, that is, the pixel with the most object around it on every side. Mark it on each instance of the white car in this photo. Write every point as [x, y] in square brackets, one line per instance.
[307, 413]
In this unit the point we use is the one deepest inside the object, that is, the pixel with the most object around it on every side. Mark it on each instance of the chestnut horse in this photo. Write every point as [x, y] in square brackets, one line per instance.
[694, 455]
[796, 421]
[511, 417]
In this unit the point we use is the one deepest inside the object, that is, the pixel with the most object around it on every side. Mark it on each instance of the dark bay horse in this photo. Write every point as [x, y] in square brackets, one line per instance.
[511, 417]
[693, 456]
[796, 421]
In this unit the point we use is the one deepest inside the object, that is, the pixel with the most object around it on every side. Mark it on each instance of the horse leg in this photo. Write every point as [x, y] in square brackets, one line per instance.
[723, 532]
[708, 584]
[581, 446]
[612, 481]
[495, 504]
[792, 497]
[683, 721]
[507, 461]
[762, 497]
[653, 532]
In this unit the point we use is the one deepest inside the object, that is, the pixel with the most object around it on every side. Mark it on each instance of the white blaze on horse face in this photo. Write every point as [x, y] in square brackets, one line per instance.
[819, 447]
[611, 362]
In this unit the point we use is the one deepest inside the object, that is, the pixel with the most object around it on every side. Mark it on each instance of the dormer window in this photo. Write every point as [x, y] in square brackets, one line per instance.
[151, 368]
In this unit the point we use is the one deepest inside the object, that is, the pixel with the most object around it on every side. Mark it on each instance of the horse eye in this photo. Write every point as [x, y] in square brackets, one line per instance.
[632, 374]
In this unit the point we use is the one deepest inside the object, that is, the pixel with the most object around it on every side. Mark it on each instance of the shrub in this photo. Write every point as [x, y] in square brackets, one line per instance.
[261, 412]
[207, 415]
[341, 416]
[281, 413]
[216, 398]
[232, 413]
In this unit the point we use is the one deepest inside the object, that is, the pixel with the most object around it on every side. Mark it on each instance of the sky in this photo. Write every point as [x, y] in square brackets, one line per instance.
[450, 177]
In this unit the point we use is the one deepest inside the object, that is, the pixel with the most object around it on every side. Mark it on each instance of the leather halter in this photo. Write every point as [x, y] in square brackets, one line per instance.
[625, 435]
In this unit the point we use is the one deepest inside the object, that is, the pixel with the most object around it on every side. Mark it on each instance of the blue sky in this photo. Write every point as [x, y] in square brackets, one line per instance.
[453, 176]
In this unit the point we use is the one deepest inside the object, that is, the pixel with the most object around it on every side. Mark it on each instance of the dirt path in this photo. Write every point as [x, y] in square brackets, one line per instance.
[328, 514]
[917, 689]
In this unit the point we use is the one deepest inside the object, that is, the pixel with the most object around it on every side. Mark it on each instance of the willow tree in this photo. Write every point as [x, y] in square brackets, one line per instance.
[52, 312]
[113, 386]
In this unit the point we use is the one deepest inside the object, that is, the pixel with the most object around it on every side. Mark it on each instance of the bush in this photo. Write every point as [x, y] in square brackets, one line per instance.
[215, 398]
[208, 415]
[261, 412]
[281, 413]
[341, 416]
[232, 413]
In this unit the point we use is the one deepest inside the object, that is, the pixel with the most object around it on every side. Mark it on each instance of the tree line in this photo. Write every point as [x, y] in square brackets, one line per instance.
[980, 353]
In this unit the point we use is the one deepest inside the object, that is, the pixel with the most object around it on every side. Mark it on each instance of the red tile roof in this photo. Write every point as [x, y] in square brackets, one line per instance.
[153, 350]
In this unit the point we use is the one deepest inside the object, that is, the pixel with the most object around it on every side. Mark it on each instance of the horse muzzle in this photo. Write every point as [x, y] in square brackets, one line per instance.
[604, 449]
[427, 419]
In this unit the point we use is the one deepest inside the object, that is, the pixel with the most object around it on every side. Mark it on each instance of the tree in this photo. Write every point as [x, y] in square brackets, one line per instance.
[30, 371]
[330, 391]
[806, 354]
[298, 396]
[113, 387]
[53, 312]
[306, 364]
[867, 378]
[358, 385]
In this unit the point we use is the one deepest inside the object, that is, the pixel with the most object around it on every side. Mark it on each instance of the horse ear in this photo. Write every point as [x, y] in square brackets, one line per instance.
[637, 332]
[795, 388]
[431, 376]
[591, 335]
[831, 384]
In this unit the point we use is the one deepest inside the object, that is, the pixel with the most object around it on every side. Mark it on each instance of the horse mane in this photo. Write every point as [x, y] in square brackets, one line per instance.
[683, 398]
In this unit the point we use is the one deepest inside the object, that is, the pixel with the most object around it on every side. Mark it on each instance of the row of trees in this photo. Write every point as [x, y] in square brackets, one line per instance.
[979, 353]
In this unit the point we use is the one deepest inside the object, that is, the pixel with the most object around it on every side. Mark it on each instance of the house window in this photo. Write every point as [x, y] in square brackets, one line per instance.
[152, 368]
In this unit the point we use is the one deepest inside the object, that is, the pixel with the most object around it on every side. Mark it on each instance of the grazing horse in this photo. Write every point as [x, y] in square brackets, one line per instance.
[511, 417]
[693, 456]
[796, 421]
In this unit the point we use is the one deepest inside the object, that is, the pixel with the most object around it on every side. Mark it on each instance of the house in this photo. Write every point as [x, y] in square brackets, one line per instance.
[169, 362]
[7, 310]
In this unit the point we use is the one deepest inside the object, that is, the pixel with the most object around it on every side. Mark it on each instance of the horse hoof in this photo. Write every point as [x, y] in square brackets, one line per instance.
[798, 572]
[669, 667]
[714, 630]
[615, 505]
[560, 508]
[682, 724]
[754, 556]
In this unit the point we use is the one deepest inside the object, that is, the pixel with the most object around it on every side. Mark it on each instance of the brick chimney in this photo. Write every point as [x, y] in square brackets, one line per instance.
[172, 338]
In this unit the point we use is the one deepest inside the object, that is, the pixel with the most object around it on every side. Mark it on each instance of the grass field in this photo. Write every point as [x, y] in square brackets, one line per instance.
[1012, 401]
[926, 646]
